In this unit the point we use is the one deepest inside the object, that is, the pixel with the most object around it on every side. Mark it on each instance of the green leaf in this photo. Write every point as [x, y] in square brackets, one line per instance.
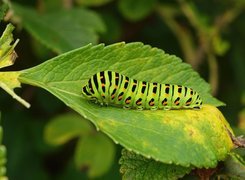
[9, 80]
[93, 2]
[95, 152]
[3, 9]
[3, 153]
[61, 30]
[185, 137]
[7, 53]
[3, 161]
[220, 46]
[134, 59]
[64, 127]
[135, 10]
[235, 166]
[134, 166]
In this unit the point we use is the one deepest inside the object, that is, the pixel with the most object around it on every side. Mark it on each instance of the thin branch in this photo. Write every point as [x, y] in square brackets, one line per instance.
[213, 72]
[192, 16]
[67, 4]
[183, 35]
[228, 17]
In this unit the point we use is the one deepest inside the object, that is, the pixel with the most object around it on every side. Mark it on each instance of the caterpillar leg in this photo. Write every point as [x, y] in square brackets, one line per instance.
[126, 107]
[153, 108]
[167, 108]
[94, 99]
[139, 108]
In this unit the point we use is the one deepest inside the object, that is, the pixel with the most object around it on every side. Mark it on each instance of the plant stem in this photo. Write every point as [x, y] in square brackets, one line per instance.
[183, 35]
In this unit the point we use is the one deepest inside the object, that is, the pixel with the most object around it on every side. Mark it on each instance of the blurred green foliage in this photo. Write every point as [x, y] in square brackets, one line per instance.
[209, 35]
[3, 155]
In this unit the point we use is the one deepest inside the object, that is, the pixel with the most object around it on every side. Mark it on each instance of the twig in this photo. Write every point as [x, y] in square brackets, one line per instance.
[67, 4]
[183, 35]
[213, 72]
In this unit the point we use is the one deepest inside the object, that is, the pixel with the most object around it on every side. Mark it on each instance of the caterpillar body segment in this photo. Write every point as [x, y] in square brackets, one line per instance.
[112, 88]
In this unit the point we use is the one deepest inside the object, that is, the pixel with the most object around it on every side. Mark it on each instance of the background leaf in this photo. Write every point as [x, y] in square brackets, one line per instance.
[3, 10]
[77, 27]
[65, 127]
[158, 134]
[135, 166]
[136, 9]
[20, 138]
[7, 53]
[3, 153]
[234, 166]
[95, 152]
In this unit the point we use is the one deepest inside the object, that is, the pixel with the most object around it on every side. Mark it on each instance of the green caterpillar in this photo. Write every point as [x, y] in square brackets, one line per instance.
[112, 88]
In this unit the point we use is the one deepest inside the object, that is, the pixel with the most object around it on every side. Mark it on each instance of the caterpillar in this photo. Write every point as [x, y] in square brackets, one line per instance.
[112, 88]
